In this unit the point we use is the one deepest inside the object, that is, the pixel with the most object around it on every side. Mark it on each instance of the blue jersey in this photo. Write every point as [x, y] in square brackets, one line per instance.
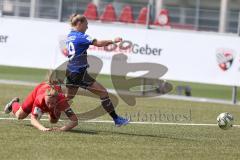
[77, 44]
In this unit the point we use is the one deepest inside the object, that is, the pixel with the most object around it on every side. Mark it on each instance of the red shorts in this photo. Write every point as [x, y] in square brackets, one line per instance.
[27, 104]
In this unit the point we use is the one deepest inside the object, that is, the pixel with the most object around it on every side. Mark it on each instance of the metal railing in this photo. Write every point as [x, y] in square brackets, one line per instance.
[180, 17]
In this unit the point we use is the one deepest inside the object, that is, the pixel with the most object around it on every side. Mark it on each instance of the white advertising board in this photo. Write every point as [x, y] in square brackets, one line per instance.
[189, 56]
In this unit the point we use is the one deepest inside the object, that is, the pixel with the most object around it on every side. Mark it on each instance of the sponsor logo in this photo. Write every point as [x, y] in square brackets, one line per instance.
[146, 50]
[128, 47]
[125, 47]
[3, 38]
[225, 58]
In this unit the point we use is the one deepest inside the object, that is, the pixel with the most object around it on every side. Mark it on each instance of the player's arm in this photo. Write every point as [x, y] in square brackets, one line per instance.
[102, 43]
[35, 116]
[35, 122]
[73, 120]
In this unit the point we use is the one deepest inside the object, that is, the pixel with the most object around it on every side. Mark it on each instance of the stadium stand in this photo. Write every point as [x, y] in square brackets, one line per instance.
[163, 18]
[187, 16]
[91, 12]
[109, 14]
[126, 15]
[142, 17]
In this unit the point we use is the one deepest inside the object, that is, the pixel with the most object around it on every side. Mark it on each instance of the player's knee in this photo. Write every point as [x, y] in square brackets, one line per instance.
[103, 93]
[20, 116]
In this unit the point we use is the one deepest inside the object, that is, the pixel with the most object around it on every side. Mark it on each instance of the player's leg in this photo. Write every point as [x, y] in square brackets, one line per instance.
[22, 111]
[71, 92]
[72, 84]
[18, 111]
[98, 89]
[8, 107]
[15, 107]
[84, 80]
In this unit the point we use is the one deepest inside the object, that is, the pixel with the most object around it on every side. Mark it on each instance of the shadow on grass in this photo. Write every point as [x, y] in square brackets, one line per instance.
[106, 132]
[84, 132]
[71, 131]
[102, 132]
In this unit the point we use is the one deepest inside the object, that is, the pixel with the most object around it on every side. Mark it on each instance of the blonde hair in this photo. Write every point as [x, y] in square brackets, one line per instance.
[55, 77]
[51, 92]
[75, 18]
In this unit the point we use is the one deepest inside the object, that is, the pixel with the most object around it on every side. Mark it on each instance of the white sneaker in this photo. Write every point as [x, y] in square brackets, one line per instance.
[8, 107]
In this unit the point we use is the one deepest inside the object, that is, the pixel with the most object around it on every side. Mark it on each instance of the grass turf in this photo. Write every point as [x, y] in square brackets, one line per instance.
[38, 75]
[19, 140]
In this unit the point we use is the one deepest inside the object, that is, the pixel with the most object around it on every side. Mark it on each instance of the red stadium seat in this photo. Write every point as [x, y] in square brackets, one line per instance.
[108, 14]
[163, 18]
[91, 12]
[142, 17]
[126, 14]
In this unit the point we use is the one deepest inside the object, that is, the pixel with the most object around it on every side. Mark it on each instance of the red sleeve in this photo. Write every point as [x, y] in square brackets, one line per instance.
[37, 107]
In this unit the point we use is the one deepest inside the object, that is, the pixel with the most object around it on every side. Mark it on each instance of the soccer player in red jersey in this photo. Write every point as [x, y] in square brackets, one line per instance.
[44, 98]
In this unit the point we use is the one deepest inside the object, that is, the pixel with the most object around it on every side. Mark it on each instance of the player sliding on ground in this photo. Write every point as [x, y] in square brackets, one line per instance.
[77, 76]
[43, 99]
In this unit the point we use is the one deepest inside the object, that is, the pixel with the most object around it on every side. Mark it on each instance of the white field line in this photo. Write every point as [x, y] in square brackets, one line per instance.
[112, 91]
[15, 82]
[142, 123]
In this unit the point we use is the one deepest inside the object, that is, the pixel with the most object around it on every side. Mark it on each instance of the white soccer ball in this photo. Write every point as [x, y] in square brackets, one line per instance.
[225, 120]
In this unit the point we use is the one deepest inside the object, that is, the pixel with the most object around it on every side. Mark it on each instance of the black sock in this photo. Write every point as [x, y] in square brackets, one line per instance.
[113, 114]
[108, 106]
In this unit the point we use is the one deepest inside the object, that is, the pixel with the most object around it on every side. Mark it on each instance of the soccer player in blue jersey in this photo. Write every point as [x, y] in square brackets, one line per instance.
[77, 76]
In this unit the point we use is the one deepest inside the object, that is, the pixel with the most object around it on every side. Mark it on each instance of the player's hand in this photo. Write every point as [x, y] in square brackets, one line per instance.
[56, 129]
[118, 39]
[46, 129]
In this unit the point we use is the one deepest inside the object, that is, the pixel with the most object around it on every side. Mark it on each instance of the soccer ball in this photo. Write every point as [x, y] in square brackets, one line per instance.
[225, 120]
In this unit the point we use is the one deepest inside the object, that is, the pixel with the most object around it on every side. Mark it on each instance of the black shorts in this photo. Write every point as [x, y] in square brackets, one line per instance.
[82, 79]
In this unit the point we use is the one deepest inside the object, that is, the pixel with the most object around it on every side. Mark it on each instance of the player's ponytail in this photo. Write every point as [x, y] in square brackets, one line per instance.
[72, 16]
[75, 18]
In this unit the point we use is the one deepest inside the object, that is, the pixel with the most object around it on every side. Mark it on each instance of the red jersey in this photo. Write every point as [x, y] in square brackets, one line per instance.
[42, 88]
[39, 106]
[35, 101]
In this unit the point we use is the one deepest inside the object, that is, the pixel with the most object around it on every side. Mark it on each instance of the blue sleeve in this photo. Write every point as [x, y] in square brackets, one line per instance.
[85, 40]
[89, 39]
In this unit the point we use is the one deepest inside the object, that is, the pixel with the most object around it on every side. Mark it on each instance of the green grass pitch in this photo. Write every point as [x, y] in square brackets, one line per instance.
[19, 140]
[38, 75]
